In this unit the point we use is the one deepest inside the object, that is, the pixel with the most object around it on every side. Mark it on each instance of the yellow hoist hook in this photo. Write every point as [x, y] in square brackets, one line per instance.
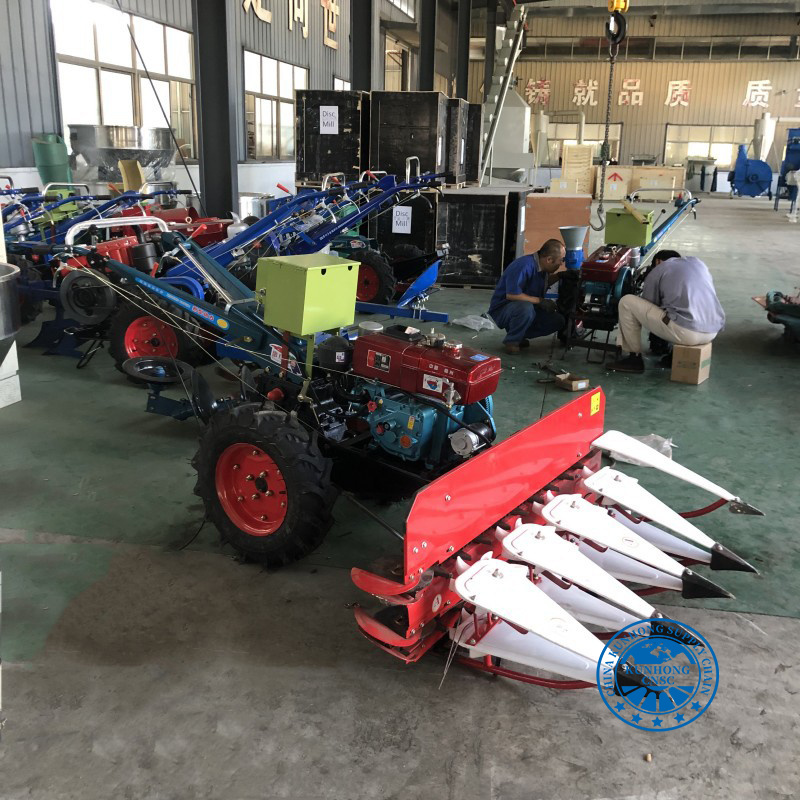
[618, 5]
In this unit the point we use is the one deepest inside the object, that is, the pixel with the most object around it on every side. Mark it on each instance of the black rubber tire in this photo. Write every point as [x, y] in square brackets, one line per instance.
[188, 349]
[29, 309]
[383, 290]
[406, 252]
[306, 471]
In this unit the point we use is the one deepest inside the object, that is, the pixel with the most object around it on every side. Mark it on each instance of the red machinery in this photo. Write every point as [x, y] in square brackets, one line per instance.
[604, 264]
[508, 553]
[410, 362]
[203, 230]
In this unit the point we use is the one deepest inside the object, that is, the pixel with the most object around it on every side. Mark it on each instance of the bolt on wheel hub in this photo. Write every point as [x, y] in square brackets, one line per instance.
[260, 512]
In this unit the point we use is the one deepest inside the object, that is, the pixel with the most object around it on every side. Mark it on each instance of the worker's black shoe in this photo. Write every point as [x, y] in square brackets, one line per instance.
[666, 361]
[634, 363]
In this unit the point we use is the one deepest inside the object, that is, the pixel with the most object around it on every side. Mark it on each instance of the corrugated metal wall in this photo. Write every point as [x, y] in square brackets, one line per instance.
[177, 13]
[717, 94]
[247, 32]
[686, 25]
[28, 103]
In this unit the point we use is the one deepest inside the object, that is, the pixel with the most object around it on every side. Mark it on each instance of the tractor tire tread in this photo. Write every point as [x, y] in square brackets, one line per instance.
[306, 471]
[189, 350]
[383, 272]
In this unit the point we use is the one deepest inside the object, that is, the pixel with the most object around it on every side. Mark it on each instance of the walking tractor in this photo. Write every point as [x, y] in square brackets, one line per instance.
[508, 549]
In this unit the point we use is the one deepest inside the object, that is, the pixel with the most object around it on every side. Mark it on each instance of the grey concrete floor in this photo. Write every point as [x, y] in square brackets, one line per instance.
[133, 669]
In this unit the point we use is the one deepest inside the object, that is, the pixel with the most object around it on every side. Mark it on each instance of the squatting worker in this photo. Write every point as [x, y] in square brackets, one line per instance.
[518, 303]
[678, 304]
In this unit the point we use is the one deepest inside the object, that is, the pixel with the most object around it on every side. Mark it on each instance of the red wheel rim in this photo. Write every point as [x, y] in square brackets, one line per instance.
[251, 489]
[150, 336]
[368, 283]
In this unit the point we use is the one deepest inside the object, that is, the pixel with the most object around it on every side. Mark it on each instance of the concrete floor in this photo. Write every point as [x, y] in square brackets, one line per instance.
[135, 669]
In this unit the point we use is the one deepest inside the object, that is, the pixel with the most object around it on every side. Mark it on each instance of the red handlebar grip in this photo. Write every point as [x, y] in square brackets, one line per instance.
[283, 188]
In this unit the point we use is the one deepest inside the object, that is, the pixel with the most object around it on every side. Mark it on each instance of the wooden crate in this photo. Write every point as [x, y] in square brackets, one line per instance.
[564, 186]
[546, 213]
[674, 177]
[618, 182]
[576, 164]
[665, 185]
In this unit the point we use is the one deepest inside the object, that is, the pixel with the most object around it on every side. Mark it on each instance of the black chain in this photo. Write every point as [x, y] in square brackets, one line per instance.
[605, 150]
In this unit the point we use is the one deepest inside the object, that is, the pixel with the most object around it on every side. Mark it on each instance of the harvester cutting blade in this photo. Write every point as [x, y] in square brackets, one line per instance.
[720, 558]
[585, 606]
[542, 547]
[508, 644]
[626, 492]
[572, 513]
[618, 442]
[504, 590]
[625, 568]
[667, 542]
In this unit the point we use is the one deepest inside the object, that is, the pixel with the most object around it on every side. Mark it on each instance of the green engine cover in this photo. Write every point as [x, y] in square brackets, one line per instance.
[623, 228]
[307, 294]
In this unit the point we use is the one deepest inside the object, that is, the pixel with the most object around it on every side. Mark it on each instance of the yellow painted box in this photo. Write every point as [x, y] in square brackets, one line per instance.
[307, 294]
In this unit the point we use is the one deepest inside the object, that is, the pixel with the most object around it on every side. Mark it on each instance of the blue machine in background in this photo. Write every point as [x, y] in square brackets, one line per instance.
[750, 177]
[791, 163]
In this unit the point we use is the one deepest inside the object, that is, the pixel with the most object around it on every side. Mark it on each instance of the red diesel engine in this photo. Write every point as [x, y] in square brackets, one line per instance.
[604, 264]
[427, 364]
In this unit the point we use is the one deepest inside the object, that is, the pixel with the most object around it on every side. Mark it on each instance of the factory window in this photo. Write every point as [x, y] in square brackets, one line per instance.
[652, 48]
[406, 6]
[269, 87]
[102, 79]
[719, 142]
[561, 133]
[341, 86]
[396, 72]
[668, 49]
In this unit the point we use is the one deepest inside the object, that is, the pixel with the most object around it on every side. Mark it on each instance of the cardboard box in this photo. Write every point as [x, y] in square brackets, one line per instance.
[691, 364]
[572, 382]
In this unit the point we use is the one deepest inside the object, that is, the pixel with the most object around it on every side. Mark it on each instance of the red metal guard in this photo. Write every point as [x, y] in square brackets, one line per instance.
[456, 508]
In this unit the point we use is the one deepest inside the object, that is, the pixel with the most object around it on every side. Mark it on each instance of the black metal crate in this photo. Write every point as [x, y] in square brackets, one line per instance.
[484, 230]
[457, 132]
[424, 211]
[408, 124]
[474, 141]
[345, 150]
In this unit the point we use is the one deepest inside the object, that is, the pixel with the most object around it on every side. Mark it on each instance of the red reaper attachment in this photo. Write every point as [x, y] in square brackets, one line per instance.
[509, 554]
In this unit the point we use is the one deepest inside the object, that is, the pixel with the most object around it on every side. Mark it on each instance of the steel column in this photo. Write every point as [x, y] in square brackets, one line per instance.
[491, 46]
[215, 71]
[427, 44]
[462, 50]
[362, 44]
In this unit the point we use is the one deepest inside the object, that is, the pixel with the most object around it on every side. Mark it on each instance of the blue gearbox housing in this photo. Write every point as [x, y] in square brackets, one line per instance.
[417, 430]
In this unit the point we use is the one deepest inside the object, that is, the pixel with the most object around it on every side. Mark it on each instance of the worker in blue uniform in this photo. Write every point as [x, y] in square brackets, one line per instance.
[518, 304]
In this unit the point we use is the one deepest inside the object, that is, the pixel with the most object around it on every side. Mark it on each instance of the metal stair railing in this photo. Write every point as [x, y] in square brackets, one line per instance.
[516, 48]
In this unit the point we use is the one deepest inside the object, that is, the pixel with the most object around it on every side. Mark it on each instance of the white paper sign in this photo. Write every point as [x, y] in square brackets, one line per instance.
[329, 119]
[401, 221]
